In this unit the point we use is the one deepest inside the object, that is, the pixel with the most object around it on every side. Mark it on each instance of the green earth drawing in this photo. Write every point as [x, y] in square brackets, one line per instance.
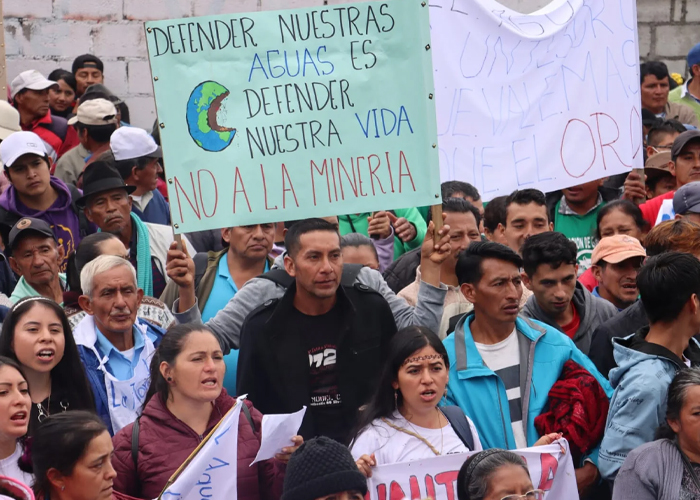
[202, 106]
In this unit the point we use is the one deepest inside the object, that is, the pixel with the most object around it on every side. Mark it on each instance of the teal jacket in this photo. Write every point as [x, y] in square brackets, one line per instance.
[357, 223]
[481, 394]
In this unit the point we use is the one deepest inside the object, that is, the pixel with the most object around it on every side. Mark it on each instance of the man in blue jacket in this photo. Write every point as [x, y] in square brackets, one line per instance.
[648, 360]
[502, 366]
[115, 346]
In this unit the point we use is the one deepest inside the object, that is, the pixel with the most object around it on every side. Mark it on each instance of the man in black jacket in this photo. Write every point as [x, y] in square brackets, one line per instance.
[321, 345]
[669, 236]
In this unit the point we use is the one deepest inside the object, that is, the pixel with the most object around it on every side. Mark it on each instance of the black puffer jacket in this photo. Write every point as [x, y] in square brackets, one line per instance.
[402, 272]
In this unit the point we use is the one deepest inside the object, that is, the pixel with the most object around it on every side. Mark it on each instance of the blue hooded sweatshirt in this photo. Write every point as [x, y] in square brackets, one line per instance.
[638, 406]
[481, 394]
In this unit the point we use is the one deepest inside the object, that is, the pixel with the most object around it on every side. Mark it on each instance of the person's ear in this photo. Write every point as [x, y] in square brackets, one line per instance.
[289, 266]
[139, 296]
[85, 305]
[672, 168]
[650, 151]
[597, 273]
[88, 215]
[526, 281]
[15, 267]
[395, 385]
[61, 253]
[674, 425]
[551, 226]
[56, 479]
[165, 370]
[226, 234]
[469, 291]
[501, 229]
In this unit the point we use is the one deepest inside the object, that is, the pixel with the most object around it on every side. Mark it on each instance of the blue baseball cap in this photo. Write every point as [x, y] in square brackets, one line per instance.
[694, 56]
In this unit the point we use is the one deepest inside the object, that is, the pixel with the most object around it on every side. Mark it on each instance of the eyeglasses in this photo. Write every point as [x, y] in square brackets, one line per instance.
[666, 148]
[530, 495]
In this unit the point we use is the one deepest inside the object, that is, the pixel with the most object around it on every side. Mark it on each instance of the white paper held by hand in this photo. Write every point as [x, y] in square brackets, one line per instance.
[277, 433]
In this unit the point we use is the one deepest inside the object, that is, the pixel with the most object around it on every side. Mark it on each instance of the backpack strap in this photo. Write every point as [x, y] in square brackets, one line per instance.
[458, 420]
[135, 444]
[248, 416]
[201, 261]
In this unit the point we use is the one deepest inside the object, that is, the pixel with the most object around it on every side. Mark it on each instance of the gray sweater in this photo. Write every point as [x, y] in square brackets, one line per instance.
[653, 471]
[593, 311]
[227, 323]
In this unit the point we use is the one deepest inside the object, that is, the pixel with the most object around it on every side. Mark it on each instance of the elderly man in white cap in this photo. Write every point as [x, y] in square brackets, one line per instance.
[95, 122]
[30, 95]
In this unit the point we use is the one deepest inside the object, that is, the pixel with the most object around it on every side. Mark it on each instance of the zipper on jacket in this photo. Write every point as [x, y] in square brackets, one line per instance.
[500, 405]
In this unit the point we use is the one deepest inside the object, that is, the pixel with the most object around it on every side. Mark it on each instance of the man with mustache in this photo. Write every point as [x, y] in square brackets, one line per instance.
[616, 261]
[115, 346]
[107, 204]
[502, 366]
[35, 258]
[30, 95]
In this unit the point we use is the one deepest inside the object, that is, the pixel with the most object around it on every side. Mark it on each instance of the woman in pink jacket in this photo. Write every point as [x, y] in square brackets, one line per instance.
[184, 403]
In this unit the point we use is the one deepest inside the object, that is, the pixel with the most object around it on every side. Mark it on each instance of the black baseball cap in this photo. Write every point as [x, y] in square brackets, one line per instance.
[28, 225]
[682, 141]
[87, 61]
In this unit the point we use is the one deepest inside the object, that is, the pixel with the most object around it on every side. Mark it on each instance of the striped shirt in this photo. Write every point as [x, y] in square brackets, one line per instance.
[504, 359]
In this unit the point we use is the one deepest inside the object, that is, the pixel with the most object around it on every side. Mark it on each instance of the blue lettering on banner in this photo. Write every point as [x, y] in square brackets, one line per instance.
[222, 463]
[132, 400]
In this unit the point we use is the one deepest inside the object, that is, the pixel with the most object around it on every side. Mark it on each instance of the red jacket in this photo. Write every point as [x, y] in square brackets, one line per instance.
[650, 209]
[165, 443]
[56, 133]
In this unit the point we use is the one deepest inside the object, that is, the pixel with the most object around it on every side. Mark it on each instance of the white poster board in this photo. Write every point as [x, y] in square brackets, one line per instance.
[546, 100]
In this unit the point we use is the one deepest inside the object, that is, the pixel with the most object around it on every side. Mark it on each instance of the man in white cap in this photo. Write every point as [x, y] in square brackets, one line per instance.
[95, 123]
[34, 192]
[9, 123]
[30, 95]
[137, 158]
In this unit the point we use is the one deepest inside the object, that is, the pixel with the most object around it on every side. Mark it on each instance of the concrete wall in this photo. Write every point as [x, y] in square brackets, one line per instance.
[48, 34]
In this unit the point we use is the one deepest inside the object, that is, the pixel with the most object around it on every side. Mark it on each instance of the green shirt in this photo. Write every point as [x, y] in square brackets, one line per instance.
[578, 228]
[357, 223]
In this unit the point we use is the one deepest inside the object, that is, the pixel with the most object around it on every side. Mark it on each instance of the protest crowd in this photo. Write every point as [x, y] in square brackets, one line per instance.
[517, 323]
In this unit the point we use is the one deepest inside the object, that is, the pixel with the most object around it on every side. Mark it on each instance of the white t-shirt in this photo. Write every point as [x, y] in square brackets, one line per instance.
[392, 446]
[504, 359]
[9, 467]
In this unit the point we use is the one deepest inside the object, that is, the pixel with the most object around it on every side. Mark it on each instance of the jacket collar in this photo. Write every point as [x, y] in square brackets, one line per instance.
[638, 342]
[84, 332]
[468, 361]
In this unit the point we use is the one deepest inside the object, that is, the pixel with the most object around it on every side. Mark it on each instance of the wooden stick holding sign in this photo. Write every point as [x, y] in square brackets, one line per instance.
[436, 216]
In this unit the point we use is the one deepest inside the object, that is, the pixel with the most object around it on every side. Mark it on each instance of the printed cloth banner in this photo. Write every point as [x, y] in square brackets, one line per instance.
[550, 470]
[212, 471]
[547, 100]
[273, 116]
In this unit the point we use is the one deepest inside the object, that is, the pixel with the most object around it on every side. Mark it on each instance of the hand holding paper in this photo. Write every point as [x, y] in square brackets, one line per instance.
[278, 433]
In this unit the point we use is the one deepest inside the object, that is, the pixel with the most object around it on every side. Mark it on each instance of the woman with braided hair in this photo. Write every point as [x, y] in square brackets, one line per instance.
[496, 475]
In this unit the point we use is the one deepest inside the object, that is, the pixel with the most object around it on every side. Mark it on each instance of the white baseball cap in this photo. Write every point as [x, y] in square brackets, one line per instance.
[18, 144]
[30, 79]
[9, 120]
[95, 112]
[132, 142]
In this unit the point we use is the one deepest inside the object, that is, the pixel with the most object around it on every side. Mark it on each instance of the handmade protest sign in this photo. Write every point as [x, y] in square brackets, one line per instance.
[547, 100]
[435, 478]
[273, 116]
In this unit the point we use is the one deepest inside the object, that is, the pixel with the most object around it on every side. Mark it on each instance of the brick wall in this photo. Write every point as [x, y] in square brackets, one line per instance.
[48, 34]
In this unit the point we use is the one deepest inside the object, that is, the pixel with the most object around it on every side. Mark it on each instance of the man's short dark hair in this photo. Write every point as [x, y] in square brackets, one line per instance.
[450, 188]
[525, 197]
[292, 241]
[98, 133]
[550, 248]
[495, 213]
[458, 206]
[656, 68]
[664, 127]
[469, 264]
[124, 167]
[666, 282]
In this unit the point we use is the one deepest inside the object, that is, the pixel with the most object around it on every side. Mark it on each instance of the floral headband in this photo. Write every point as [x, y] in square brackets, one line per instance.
[423, 358]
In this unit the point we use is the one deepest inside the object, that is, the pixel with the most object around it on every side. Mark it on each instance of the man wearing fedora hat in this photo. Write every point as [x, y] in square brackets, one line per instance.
[106, 202]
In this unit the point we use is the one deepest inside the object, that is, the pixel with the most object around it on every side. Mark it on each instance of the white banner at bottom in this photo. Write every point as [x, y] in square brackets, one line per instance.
[436, 478]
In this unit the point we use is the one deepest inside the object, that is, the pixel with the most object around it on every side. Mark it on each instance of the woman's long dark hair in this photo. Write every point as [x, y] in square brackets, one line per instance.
[677, 391]
[169, 348]
[68, 376]
[385, 400]
[59, 442]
